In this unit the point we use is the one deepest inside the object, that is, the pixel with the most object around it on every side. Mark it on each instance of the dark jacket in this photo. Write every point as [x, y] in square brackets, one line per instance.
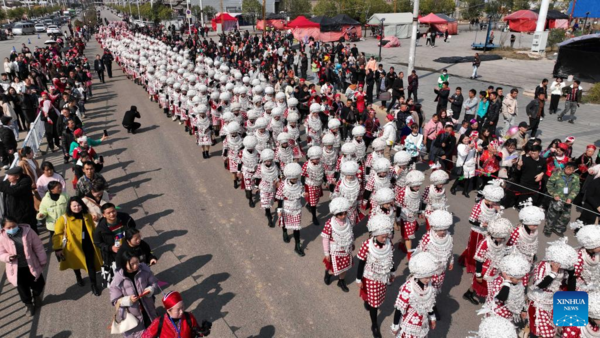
[533, 108]
[61, 124]
[130, 116]
[398, 88]
[456, 105]
[143, 251]
[493, 113]
[107, 59]
[99, 65]
[18, 200]
[104, 239]
[449, 141]
[413, 82]
[7, 137]
[67, 138]
[442, 97]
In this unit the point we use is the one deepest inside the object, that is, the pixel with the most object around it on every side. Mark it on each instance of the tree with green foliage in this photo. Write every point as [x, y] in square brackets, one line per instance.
[209, 11]
[16, 14]
[437, 6]
[326, 7]
[295, 8]
[252, 9]
[522, 4]
[360, 10]
[473, 9]
[556, 36]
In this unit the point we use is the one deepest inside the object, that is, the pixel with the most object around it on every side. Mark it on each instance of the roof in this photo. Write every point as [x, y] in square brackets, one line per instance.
[323, 20]
[445, 17]
[391, 18]
[223, 17]
[579, 39]
[552, 14]
[523, 14]
[343, 19]
[432, 19]
[276, 16]
[302, 22]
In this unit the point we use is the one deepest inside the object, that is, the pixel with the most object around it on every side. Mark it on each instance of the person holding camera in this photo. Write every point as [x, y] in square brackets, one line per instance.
[176, 323]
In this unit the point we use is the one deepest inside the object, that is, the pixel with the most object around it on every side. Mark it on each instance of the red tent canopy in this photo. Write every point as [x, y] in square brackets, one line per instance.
[522, 21]
[228, 21]
[432, 19]
[302, 22]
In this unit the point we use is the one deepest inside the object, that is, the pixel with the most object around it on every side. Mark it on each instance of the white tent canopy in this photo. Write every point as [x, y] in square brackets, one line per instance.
[395, 24]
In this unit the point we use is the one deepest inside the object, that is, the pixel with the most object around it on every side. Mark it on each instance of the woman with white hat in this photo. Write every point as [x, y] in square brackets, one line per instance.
[415, 306]
[289, 206]
[314, 126]
[348, 153]
[488, 255]
[483, 212]
[293, 130]
[284, 154]
[333, 127]
[525, 237]
[349, 187]
[408, 201]
[329, 160]
[232, 150]
[263, 136]
[378, 148]
[248, 166]
[400, 170]
[496, 327]
[268, 175]
[379, 179]
[375, 264]
[384, 206]
[555, 273]
[587, 268]
[434, 196]
[338, 242]
[506, 295]
[313, 177]
[438, 242]
[204, 130]
[276, 123]
[358, 134]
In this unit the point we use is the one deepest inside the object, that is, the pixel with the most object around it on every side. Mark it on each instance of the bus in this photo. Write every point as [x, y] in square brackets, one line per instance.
[69, 12]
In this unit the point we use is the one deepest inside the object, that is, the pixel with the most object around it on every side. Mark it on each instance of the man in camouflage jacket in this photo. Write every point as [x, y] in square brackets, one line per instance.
[563, 186]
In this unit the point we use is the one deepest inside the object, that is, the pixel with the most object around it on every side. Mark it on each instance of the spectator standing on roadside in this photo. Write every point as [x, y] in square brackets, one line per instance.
[413, 86]
[556, 91]
[84, 184]
[456, 103]
[535, 112]
[99, 67]
[53, 205]
[476, 64]
[8, 142]
[572, 102]
[510, 109]
[17, 197]
[470, 105]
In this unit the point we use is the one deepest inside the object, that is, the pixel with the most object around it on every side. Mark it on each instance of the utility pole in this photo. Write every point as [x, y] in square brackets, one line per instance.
[381, 38]
[413, 38]
[201, 14]
[138, 6]
[263, 16]
[395, 6]
[540, 36]
[572, 12]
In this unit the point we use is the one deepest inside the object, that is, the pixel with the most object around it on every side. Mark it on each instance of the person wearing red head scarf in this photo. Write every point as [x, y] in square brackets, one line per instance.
[59, 85]
[176, 323]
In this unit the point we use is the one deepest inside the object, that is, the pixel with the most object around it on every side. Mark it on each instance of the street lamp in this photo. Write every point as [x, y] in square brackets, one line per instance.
[380, 38]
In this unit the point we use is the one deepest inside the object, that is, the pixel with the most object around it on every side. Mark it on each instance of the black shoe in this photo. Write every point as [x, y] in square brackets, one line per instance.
[235, 184]
[186, 129]
[375, 330]
[299, 250]
[271, 224]
[29, 310]
[207, 154]
[315, 221]
[37, 301]
[286, 237]
[327, 278]
[453, 191]
[466, 194]
[95, 290]
[559, 119]
[342, 284]
[251, 202]
[204, 154]
[80, 281]
[470, 297]
[571, 121]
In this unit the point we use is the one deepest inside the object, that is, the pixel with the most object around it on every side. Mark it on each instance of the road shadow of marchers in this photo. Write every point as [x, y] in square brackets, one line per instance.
[73, 292]
[145, 129]
[130, 207]
[163, 237]
[265, 332]
[152, 218]
[213, 300]
[183, 270]
[130, 184]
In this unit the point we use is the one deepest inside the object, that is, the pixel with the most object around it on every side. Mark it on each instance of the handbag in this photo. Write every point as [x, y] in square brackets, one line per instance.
[458, 170]
[384, 96]
[64, 239]
[128, 323]
[107, 272]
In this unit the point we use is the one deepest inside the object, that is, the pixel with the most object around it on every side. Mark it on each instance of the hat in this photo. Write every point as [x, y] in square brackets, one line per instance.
[440, 220]
[496, 327]
[381, 165]
[171, 299]
[523, 125]
[78, 132]
[402, 157]
[563, 146]
[570, 139]
[515, 265]
[562, 253]
[292, 170]
[5, 120]
[449, 124]
[384, 196]
[390, 117]
[500, 228]
[422, 265]
[380, 225]
[493, 192]
[339, 205]
[594, 304]
[267, 155]
[348, 149]
[314, 152]
[414, 178]
[302, 79]
[589, 236]
[349, 168]
[14, 171]
[591, 146]
[439, 177]
[473, 121]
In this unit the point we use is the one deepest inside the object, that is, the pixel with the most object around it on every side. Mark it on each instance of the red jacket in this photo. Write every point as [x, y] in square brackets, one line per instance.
[168, 330]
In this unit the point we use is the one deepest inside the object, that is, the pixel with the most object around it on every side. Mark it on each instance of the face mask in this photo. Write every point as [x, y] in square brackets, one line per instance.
[13, 231]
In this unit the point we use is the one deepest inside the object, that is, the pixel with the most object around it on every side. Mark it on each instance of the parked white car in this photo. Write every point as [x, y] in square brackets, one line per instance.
[53, 29]
[40, 28]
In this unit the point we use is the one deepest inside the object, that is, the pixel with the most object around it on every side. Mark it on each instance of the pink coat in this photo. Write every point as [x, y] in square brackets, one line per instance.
[34, 253]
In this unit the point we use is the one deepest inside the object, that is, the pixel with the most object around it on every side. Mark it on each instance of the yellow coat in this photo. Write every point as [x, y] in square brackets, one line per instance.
[75, 258]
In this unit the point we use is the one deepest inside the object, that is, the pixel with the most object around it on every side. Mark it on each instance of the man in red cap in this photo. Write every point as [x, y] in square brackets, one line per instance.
[176, 323]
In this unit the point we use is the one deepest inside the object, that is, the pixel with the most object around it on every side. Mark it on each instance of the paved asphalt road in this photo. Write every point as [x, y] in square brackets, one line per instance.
[230, 267]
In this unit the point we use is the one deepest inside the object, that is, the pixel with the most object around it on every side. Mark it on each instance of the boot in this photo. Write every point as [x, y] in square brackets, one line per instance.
[204, 154]
[470, 296]
[187, 129]
[313, 211]
[454, 186]
[331, 188]
[375, 330]
[207, 154]
[37, 301]
[30, 310]
[235, 184]
[250, 198]
[95, 290]
[299, 250]
[286, 237]
[327, 278]
[342, 284]
[271, 224]
[80, 281]
[436, 313]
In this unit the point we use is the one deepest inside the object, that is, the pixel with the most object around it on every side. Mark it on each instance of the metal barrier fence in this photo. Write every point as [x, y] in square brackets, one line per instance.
[34, 139]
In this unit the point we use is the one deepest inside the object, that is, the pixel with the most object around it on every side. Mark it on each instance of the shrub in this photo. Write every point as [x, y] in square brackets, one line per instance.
[593, 94]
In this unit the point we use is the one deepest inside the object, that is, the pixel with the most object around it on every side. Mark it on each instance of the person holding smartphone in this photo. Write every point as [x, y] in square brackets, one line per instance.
[23, 252]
